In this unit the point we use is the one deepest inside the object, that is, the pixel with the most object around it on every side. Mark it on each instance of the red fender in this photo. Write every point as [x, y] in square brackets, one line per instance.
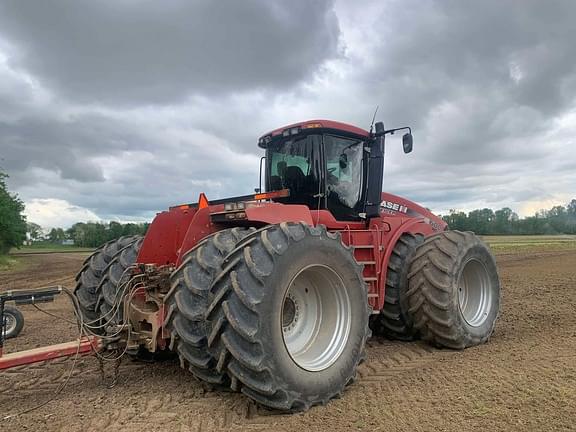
[273, 213]
[200, 227]
[165, 235]
[412, 225]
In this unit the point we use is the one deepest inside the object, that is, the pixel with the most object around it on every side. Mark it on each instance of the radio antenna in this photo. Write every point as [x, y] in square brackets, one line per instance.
[374, 118]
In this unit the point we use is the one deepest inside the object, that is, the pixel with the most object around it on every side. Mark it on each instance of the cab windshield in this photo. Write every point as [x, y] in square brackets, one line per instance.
[331, 180]
[295, 164]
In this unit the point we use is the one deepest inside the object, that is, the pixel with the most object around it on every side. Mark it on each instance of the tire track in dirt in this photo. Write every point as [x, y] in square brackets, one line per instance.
[404, 358]
[218, 411]
[523, 379]
[49, 375]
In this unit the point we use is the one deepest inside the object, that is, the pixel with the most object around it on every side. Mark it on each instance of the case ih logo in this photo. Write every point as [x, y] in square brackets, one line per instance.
[389, 205]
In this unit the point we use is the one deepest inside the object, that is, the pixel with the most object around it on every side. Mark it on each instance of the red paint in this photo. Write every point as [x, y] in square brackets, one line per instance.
[324, 217]
[373, 243]
[414, 210]
[406, 225]
[175, 232]
[165, 235]
[50, 352]
[326, 124]
[200, 226]
[273, 213]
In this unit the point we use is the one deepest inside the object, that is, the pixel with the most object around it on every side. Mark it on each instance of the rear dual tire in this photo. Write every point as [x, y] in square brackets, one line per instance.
[454, 290]
[394, 321]
[100, 272]
[114, 285]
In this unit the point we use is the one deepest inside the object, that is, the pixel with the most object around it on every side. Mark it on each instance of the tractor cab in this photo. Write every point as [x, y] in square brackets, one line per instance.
[327, 165]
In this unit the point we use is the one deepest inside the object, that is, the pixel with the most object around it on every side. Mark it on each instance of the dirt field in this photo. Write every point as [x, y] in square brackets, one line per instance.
[523, 379]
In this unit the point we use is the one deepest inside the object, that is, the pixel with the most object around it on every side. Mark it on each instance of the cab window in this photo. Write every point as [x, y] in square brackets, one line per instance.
[295, 164]
[344, 174]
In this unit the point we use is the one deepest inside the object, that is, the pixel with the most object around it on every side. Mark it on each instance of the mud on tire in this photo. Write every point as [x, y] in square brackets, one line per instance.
[394, 321]
[454, 290]
[89, 277]
[253, 318]
[187, 302]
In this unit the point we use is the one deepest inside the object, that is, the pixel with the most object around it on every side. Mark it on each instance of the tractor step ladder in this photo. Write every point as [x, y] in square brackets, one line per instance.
[364, 244]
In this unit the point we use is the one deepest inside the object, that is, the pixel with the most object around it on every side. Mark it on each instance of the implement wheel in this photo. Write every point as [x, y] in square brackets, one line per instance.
[289, 316]
[13, 322]
[454, 290]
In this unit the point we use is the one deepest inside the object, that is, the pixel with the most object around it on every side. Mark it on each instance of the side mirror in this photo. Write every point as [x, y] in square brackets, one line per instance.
[379, 128]
[407, 142]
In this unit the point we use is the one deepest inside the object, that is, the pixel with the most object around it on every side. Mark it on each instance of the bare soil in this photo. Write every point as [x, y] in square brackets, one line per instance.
[523, 379]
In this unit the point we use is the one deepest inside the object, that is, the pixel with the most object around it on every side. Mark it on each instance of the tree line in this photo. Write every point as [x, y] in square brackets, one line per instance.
[557, 220]
[87, 234]
[12, 222]
[14, 228]
[93, 234]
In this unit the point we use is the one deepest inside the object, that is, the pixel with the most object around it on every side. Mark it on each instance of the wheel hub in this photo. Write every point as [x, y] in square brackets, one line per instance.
[474, 293]
[316, 317]
[289, 313]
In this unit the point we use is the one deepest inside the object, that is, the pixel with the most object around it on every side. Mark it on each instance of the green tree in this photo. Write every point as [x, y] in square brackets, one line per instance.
[571, 208]
[504, 220]
[34, 230]
[57, 235]
[12, 222]
[457, 220]
[480, 221]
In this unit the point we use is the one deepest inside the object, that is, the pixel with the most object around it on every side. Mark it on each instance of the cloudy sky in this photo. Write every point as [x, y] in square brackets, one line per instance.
[115, 109]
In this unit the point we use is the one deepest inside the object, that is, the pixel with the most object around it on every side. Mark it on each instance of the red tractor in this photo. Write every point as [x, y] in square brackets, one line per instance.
[274, 294]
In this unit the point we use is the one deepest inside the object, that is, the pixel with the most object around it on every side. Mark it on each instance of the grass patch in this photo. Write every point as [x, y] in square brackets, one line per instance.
[532, 243]
[47, 247]
[9, 263]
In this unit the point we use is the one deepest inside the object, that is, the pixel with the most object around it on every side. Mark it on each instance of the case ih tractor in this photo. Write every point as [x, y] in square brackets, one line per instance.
[272, 294]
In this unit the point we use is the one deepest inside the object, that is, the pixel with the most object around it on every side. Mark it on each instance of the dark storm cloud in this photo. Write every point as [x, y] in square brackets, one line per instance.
[66, 146]
[439, 48]
[134, 52]
[130, 53]
[482, 82]
[124, 107]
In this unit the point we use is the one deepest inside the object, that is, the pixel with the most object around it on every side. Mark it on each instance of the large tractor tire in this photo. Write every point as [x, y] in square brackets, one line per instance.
[187, 302]
[114, 284]
[394, 321]
[89, 278]
[454, 290]
[289, 317]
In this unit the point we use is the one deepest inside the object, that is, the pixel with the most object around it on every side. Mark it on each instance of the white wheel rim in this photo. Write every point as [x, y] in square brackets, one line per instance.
[474, 293]
[9, 323]
[316, 317]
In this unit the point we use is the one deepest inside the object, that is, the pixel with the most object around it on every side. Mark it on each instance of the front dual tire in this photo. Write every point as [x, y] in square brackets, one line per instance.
[288, 320]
